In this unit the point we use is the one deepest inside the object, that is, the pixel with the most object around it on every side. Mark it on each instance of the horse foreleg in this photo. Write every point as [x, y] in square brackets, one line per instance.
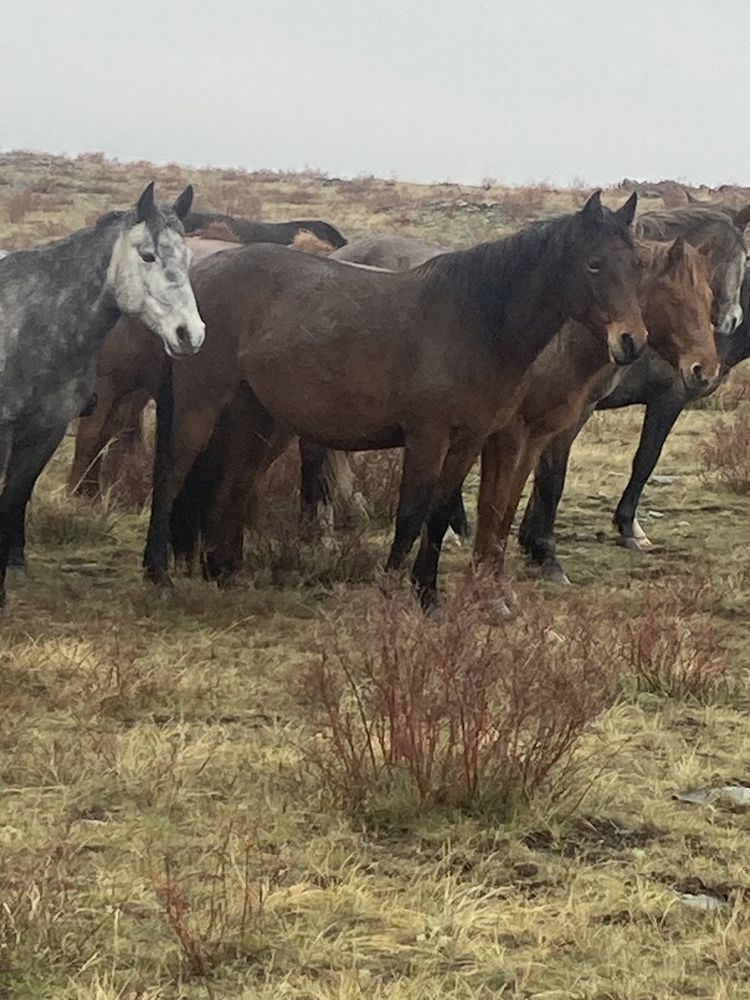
[178, 444]
[316, 511]
[661, 414]
[500, 456]
[459, 519]
[445, 497]
[424, 456]
[536, 535]
[28, 457]
[247, 442]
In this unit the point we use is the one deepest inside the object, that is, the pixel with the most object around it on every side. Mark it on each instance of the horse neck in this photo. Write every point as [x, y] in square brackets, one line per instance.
[734, 348]
[90, 303]
[511, 288]
[584, 353]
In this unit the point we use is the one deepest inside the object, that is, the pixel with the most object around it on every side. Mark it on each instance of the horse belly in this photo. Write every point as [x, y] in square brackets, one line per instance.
[340, 393]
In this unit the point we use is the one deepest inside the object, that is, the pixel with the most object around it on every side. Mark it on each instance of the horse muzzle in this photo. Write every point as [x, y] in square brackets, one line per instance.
[185, 341]
[623, 348]
[699, 378]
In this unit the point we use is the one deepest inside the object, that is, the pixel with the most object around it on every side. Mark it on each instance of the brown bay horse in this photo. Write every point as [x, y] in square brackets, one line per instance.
[676, 301]
[431, 360]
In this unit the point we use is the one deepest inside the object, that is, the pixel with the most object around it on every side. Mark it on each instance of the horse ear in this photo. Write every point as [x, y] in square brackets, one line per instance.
[183, 204]
[627, 211]
[707, 247]
[742, 218]
[145, 206]
[592, 211]
[675, 254]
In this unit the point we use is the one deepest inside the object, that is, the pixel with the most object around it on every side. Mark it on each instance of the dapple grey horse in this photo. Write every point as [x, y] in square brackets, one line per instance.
[57, 303]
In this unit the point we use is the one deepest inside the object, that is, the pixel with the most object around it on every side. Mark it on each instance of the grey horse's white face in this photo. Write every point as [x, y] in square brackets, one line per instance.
[148, 276]
[728, 278]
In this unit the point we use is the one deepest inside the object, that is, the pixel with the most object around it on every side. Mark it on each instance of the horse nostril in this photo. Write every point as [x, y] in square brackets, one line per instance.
[628, 347]
[696, 371]
[183, 334]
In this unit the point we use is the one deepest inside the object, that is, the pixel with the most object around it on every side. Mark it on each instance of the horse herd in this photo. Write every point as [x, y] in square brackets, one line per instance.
[501, 351]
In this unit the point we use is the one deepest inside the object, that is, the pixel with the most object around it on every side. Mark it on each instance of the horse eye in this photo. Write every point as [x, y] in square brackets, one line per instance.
[147, 257]
[594, 266]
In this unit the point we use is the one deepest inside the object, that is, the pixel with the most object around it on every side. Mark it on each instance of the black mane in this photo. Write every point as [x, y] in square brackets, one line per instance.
[486, 277]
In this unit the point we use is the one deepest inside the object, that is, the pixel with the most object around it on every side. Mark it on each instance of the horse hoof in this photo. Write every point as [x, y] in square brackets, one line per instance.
[635, 544]
[452, 540]
[498, 612]
[554, 573]
[330, 544]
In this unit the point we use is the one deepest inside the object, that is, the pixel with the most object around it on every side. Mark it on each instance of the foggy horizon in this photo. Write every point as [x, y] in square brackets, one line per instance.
[566, 93]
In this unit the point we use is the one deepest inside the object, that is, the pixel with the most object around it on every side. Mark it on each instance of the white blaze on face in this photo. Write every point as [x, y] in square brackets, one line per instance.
[149, 278]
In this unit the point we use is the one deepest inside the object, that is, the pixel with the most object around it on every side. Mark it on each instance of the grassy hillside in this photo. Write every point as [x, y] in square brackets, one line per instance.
[173, 822]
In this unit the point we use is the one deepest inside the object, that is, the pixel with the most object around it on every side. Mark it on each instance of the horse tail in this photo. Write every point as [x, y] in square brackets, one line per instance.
[157, 542]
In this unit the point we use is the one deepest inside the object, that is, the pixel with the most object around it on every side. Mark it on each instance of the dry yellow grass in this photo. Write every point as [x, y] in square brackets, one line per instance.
[160, 833]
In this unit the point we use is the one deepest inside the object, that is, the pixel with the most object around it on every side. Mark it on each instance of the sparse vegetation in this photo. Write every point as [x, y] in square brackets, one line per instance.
[411, 715]
[726, 452]
[175, 821]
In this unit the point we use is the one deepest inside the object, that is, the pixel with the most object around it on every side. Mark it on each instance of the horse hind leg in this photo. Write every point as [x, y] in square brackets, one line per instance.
[316, 507]
[536, 534]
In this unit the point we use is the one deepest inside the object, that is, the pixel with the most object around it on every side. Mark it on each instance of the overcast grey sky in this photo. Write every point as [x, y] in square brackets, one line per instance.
[528, 90]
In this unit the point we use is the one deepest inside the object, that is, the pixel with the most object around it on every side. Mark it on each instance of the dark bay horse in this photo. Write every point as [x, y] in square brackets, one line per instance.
[676, 300]
[431, 360]
[650, 381]
[57, 303]
[247, 231]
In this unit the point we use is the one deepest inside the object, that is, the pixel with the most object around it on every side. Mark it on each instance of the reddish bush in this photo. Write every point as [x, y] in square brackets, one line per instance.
[668, 649]
[215, 913]
[457, 714]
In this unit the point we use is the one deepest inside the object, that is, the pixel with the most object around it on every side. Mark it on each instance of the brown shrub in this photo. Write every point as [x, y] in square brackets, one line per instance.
[216, 912]
[413, 714]
[726, 453]
[668, 649]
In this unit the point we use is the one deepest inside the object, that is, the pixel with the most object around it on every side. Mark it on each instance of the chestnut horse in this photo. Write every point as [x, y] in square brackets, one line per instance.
[432, 360]
[676, 301]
